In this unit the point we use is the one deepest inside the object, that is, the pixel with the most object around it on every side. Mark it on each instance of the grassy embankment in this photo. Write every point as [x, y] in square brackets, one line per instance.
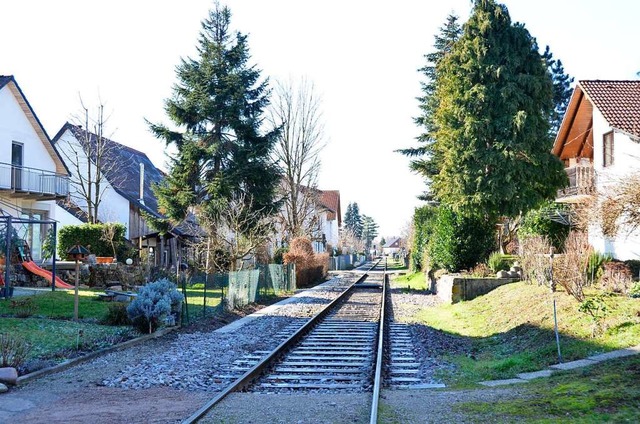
[608, 392]
[511, 330]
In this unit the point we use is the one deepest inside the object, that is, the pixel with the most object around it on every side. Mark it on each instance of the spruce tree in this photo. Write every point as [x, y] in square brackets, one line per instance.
[424, 161]
[217, 108]
[561, 90]
[353, 220]
[494, 99]
[369, 231]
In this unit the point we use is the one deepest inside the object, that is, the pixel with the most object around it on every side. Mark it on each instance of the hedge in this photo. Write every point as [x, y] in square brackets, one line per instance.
[91, 237]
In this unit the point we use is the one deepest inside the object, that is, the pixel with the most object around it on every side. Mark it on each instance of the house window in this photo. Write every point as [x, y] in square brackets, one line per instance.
[607, 149]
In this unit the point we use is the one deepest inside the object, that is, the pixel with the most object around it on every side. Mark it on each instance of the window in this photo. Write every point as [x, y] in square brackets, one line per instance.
[607, 149]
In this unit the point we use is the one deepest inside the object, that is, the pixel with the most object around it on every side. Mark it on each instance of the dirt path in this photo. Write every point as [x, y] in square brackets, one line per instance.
[77, 395]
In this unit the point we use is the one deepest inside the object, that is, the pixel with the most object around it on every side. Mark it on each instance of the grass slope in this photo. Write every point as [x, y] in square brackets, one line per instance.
[510, 330]
[608, 392]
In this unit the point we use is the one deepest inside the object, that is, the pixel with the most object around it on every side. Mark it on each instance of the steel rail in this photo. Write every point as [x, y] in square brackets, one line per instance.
[377, 381]
[271, 358]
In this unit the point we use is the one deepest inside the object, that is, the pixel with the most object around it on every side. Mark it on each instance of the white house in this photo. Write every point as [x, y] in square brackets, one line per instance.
[32, 173]
[599, 143]
[129, 176]
[393, 246]
[330, 219]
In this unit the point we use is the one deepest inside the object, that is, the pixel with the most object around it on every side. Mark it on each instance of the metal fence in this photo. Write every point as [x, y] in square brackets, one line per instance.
[345, 262]
[236, 289]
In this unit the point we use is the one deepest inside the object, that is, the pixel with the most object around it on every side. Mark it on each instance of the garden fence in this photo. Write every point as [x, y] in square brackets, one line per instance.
[233, 290]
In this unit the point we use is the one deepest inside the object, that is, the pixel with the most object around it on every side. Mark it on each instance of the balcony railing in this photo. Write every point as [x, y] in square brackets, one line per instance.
[23, 181]
[581, 182]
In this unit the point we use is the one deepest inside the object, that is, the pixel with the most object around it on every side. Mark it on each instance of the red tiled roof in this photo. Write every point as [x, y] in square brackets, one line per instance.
[331, 200]
[618, 101]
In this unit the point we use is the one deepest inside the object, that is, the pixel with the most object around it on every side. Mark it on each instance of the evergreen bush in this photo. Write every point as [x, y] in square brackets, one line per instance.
[423, 223]
[92, 237]
[460, 242]
[538, 222]
[154, 303]
[500, 262]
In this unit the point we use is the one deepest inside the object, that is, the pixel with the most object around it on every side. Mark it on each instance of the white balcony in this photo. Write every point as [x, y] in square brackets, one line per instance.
[31, 183]
[581, 184]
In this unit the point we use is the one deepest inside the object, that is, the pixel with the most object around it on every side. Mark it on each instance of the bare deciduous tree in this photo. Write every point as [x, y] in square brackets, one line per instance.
[295, 108]
[91, 160]
[232, 236]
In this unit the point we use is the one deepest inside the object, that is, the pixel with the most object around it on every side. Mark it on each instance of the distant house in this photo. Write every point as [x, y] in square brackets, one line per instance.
[393, 246]
[330, 219]
[599, 143]
[32, 173]
[128, 193]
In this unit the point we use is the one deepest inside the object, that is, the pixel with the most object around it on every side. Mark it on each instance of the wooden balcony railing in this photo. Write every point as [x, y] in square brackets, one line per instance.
[581, 182]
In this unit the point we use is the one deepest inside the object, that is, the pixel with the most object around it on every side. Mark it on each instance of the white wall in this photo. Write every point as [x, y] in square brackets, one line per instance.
[626, 161]
[14, 126]
[113, 207]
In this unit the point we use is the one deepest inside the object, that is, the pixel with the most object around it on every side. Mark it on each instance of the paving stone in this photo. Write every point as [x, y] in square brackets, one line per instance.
[494, 383]
[536, 374]
[573, 364]
[620, 353]
[420, 386]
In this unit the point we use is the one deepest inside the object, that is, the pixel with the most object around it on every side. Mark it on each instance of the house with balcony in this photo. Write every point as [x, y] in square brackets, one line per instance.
[599, 143]
[32, 173]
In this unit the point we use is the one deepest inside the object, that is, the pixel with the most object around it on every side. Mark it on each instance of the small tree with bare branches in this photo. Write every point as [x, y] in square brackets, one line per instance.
[232, 236]
[91, 159]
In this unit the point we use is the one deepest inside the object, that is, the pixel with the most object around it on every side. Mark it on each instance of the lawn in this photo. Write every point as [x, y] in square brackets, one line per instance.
[59, 339]
[608, 392]
[510, 330]
[413, 281]
[53, 334]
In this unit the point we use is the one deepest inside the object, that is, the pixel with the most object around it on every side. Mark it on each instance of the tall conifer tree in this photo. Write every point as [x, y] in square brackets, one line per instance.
[491, 127]
[217, 108]
[423, 157]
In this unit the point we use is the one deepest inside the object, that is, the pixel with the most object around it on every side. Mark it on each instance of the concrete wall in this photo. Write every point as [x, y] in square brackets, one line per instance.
[454, 288]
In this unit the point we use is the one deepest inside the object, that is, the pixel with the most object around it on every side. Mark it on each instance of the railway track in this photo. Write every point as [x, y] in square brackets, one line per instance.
[339, 349]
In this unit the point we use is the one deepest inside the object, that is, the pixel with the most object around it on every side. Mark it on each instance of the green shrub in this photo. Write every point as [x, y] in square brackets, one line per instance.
[539, 222]
[500, 262]
[23, 307]
[459, 242]
[92, 237]
[635, 290]
[13, 350]
[154, 304]
[117, 314]
[595, 266]
[424, 219]
[278, 255]
[634, 267]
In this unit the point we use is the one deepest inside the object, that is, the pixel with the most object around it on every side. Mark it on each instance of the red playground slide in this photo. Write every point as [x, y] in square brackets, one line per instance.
[32, 267]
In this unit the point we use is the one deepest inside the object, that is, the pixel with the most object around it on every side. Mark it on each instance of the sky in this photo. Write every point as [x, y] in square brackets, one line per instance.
[361, 55]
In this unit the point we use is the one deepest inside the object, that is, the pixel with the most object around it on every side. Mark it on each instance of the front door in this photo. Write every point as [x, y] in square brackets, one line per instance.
[16, 165]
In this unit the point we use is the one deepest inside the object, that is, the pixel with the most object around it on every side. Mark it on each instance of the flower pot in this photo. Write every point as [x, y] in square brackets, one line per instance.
[104, 259]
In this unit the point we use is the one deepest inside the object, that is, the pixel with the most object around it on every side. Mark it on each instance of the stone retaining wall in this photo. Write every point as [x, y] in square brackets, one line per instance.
[454, 288]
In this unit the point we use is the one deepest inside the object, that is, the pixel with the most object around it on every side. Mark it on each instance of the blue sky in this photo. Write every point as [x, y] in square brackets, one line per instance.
[361, 55]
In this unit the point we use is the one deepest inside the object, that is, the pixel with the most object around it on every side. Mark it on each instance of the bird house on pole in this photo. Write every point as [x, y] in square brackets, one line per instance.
[77, 253]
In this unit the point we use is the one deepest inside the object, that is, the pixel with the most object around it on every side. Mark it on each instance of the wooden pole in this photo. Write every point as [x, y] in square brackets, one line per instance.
[75, 297]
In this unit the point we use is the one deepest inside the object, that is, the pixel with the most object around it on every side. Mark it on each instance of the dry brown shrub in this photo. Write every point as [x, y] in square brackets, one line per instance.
[535, 259]
[616, 277]
[570, 269]
[310, 267]
[481, 270]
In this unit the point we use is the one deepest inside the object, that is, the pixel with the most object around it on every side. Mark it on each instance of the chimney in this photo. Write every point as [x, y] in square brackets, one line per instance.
[142, 183]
